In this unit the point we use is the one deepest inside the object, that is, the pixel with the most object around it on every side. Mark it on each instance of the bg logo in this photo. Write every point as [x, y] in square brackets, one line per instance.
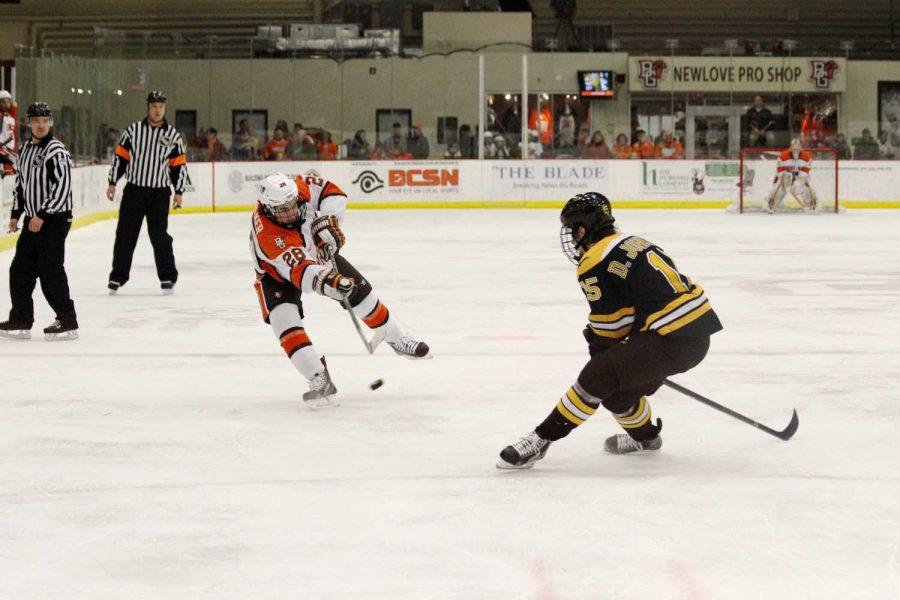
[652, 72]
[369, 182]
[822, 72]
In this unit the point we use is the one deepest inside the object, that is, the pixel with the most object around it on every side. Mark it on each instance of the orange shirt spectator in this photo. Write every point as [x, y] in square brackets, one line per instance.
[328, 150]
[274, 149]
[669, 147]
[642, 146]
[596, 147]
[621, 149]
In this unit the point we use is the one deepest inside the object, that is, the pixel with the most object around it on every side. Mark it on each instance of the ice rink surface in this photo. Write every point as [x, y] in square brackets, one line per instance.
[166, 454]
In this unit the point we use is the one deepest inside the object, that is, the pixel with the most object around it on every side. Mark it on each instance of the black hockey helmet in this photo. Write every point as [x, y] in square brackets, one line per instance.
[38, 109]
[593, 212]
[156, 96]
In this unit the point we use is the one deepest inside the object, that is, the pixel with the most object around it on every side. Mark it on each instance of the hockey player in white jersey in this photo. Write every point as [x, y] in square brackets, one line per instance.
[792, 176]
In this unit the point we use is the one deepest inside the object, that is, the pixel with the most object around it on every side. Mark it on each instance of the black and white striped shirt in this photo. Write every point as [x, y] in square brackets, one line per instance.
[150, 157]
[44, 180]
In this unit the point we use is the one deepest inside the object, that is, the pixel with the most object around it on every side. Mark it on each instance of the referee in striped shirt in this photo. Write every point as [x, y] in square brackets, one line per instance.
[43, 193]
[151, 156]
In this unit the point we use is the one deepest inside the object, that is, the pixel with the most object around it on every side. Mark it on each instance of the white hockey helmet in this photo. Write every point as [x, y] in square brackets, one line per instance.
[795, 147]
[4, 95]
[279, 197]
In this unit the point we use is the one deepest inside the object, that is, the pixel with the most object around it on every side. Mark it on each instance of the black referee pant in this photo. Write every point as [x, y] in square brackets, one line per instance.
[41, 256]
[139, 202]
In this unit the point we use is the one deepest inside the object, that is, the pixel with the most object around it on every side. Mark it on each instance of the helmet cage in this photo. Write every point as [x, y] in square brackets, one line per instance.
[592, 213]
[290, 214]
[570, 246]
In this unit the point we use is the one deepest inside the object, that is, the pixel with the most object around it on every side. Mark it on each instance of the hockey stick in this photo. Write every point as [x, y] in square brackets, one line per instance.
[378, 336]
[785, 434]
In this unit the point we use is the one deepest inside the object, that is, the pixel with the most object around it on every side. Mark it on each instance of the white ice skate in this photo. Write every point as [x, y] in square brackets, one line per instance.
[624, 444]
[321, 392]
[524, 453]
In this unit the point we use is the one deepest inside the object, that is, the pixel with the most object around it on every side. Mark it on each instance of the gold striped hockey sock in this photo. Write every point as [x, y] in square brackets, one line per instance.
[574, 408]
[637, 422]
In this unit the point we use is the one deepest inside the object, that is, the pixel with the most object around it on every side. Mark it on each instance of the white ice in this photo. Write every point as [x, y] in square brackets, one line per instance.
[167, 454]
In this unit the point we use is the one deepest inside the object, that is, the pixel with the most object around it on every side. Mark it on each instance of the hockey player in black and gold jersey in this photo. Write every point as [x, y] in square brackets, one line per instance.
[647, 322]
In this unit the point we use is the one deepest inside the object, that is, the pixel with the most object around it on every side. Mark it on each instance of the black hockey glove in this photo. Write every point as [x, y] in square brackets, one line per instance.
[596, 344]
[327, 236]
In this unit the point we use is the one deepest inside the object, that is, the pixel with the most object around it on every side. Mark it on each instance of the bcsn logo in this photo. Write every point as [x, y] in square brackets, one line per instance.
[423, 177]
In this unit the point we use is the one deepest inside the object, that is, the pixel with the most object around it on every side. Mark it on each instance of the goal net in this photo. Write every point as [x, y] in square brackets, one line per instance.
[758, 169]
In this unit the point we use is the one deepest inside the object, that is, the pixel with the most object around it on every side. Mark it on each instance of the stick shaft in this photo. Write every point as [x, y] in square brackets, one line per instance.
[785, 434]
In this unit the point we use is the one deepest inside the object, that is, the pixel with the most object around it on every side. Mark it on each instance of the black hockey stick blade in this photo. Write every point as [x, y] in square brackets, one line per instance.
[785, 434]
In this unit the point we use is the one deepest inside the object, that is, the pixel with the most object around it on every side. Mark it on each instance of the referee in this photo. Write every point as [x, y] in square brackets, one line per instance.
[43, 193]
[151, 156]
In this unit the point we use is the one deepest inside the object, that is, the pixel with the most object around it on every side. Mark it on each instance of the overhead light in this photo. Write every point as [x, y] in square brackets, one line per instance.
[508, 96]
[80, 91]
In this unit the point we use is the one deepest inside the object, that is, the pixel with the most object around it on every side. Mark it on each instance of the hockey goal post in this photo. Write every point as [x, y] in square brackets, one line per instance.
[757, 179]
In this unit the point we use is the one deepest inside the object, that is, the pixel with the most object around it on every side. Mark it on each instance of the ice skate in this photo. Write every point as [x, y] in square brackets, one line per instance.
[168, 287]
[321, 392]
[15, 331]
[113, 287]
[407, 346]
[524, 453]
[57, 332]
[623, 443]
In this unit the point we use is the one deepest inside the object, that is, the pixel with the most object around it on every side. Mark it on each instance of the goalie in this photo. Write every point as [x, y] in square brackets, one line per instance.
[792, 176]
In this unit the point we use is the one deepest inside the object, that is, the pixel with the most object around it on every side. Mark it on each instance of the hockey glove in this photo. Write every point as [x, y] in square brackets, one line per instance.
[596, 344]
[334, 285]
[327, 236]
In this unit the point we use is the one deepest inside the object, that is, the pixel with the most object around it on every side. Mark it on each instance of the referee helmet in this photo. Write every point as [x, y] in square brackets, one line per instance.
[38, 109]
[156, 96]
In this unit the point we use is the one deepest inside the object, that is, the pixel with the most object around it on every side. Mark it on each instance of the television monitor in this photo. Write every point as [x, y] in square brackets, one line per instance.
[596, 84]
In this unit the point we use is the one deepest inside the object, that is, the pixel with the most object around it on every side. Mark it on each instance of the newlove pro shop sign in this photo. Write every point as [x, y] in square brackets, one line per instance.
[736, 74]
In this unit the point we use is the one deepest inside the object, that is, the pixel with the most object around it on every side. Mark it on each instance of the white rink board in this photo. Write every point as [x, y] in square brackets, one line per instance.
[166, 453]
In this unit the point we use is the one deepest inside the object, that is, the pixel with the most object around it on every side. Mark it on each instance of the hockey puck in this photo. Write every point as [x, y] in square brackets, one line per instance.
[376, 384]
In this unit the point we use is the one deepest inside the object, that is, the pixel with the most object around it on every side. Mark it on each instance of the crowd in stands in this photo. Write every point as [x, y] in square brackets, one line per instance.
[568, 140]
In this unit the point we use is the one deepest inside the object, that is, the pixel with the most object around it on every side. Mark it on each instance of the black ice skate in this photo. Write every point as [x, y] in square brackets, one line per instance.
[409, 347]
[625, 444]
[57, 332]
[15, 331]
[321, 392]
[524, 453]
[168, 287]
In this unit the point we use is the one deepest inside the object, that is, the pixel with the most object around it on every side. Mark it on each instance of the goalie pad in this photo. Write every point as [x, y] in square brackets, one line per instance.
[783, 183]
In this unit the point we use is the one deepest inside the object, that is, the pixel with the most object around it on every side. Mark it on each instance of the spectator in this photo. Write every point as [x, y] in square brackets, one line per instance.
[669, 147]
[302, 145]
[467, 142]
[512, 122]
[244, 144]
[327, 149]
[275, 149]
[282, 125]
[360, 148]
[396, 143]
[490, 150]
[535, 147]
[622, 149]
[501, 147]
[452, 151]
[887, 149]
[596, 147]
[418, 143]
[759, 124]
[566, 127]
[379, 152]
[215, 149]
[866, 147]
[581, 140]
[842, 147]
[106, 141]
[642, 146]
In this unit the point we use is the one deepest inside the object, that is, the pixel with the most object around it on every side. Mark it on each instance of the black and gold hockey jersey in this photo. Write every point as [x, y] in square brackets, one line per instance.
[633, 287]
